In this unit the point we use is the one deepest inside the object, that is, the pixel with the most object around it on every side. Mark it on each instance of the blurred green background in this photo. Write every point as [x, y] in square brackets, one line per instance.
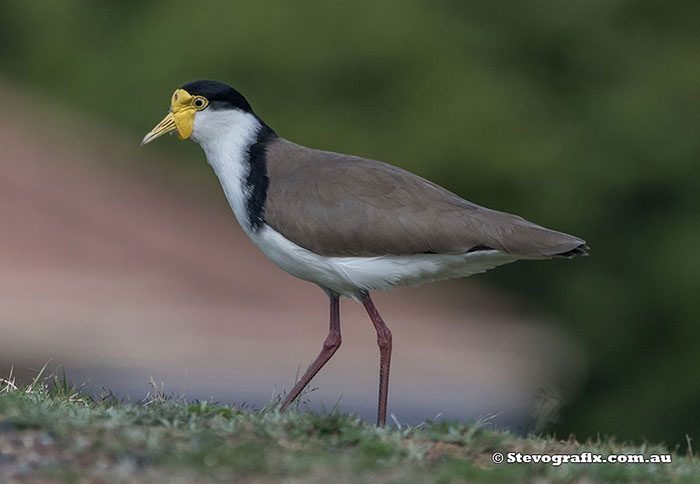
[578, 115]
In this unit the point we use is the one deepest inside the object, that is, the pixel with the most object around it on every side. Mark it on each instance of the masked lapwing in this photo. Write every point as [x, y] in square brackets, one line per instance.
[351, 225]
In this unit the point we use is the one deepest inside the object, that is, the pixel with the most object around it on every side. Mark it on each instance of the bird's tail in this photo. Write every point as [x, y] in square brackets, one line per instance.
[580, 250]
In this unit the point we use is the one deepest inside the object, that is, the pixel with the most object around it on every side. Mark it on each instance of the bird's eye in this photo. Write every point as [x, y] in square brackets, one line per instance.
[199, 103]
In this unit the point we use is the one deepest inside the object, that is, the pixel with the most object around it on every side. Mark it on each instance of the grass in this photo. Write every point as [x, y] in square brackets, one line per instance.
[51, 431]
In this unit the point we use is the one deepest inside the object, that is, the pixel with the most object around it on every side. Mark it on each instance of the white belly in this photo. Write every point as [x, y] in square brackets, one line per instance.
[350, 275]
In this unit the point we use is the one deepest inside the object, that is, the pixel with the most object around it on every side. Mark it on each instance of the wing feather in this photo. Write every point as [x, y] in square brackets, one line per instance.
[341, 205]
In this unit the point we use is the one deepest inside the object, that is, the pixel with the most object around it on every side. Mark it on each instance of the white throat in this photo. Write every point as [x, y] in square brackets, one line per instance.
[225, 136]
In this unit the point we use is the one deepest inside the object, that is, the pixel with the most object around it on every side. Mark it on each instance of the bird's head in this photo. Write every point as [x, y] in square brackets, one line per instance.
[196, 106]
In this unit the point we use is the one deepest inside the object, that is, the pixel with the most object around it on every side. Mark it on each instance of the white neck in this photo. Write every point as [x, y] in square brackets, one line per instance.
[225, 136]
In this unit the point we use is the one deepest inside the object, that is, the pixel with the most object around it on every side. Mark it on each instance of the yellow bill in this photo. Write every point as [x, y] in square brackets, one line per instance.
[180, 118]
[165, 126]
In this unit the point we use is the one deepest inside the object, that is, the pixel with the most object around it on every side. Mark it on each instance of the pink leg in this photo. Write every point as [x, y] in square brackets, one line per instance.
[384, 343]
[330, 346]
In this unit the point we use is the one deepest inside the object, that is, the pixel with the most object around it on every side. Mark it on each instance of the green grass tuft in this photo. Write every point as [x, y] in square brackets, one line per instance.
[50, 430]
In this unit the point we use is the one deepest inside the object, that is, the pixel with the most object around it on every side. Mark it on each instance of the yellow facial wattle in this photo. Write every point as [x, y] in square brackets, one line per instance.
[183, 107]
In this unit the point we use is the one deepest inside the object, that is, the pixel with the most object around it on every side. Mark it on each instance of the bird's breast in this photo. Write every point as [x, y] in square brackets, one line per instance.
[230, 155]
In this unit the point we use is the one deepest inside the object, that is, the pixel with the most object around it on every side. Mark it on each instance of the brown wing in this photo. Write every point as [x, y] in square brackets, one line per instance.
[341, 205]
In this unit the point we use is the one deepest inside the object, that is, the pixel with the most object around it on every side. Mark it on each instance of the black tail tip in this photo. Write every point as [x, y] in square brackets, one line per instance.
[580, 250]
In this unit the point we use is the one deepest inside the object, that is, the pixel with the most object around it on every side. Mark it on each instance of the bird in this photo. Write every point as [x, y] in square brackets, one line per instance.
[348, 224]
